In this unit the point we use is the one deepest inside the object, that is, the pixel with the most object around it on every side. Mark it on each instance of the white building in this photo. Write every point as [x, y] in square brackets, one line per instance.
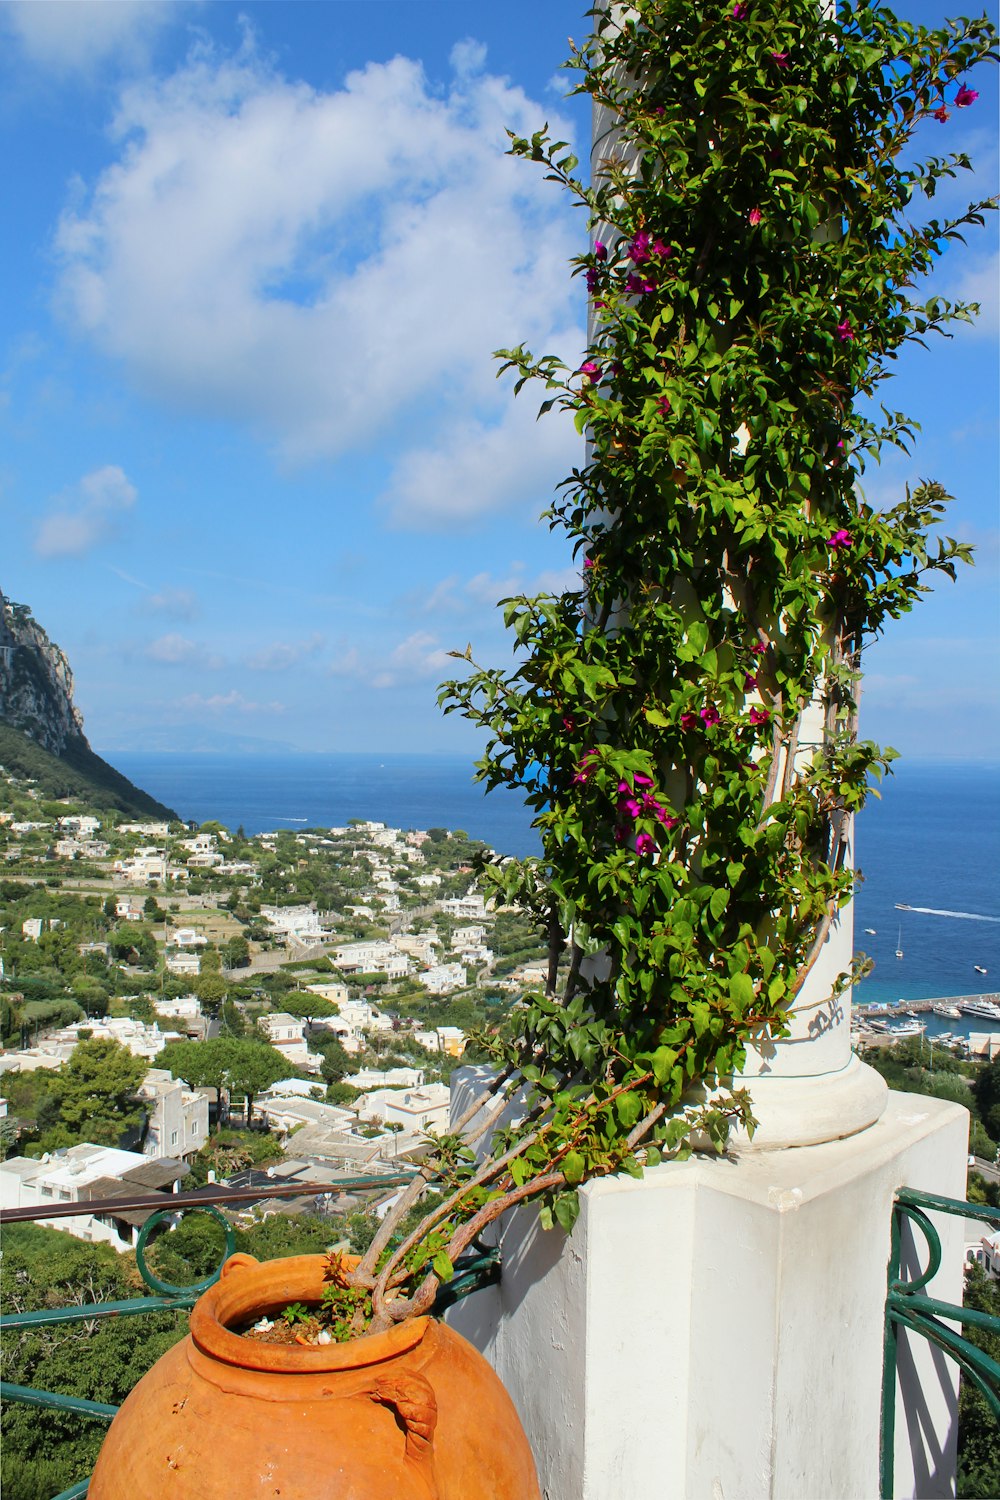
[83, 1173]
[447, 1039]
[375, 957]
[184, 1008]
[148, 865]
[443, 978]
[287, 1036]
[177, 1116]
[416, 1109]
[470, 905]
[336, 993]
[183, 963]
[187, 937]
[300, 922]
[392, 1078]
[148, 830]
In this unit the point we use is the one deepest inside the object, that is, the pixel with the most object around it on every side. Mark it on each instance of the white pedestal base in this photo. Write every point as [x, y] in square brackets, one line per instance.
[714, 1332]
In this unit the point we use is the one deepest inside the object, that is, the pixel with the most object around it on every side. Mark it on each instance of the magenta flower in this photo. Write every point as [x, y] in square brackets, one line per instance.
[588, 562]
[569, 723]
[660, 249]
[845, 332]
[663, 405]
[600, 250]
[840, 539]
[593, 280]
[584, 769]
[645, 843]
[639, 247]
[758, 648]
[942, 114]
[739, 10]
[642, 781]
[965, 97]
[638, 285]
[780, 59]
[750, 682]
[759, 716]
[591, 370]
[689, 720]
[710, 715]
[755, 216]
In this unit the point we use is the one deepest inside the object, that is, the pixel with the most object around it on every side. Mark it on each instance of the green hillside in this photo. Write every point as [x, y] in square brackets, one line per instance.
[77, 773]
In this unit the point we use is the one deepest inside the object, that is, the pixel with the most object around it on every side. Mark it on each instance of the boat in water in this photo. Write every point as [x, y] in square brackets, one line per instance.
[979, 968]
[906, 1028]
[871, 932]
[987, 1010]
[950, 1012]
[899, 944]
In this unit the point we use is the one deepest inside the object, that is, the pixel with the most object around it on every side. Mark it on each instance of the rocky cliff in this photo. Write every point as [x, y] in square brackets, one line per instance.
[36, 684]
[37, 710]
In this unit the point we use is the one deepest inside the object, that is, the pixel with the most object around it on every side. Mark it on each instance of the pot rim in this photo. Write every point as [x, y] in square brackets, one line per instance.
[250, 1288]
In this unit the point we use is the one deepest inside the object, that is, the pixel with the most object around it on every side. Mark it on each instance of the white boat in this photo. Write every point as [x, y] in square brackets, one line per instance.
[988, 1010]
[951, 1012]
[907, 1028]
[979, 968]
[899, 944]
[871, 932]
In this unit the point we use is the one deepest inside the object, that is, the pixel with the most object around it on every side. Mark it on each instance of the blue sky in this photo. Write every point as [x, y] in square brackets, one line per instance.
[257, 474]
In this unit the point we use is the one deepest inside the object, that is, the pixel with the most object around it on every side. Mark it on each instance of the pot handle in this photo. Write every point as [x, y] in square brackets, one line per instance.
[237, 1262]
[412, 1399]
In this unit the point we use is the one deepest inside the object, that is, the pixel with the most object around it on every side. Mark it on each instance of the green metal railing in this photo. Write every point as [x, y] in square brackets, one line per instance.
[473, 1271]
[907, 1308]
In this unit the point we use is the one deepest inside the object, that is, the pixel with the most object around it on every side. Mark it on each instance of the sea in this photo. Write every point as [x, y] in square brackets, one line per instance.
[930, 843]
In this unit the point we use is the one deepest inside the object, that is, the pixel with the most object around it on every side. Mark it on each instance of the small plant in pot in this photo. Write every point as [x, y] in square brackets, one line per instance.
[751, 277]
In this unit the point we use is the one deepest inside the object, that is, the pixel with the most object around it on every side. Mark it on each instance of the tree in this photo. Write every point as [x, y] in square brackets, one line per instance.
[988, 1098]
[202, 1065]
[211, 991]
[306, 1006]
[336, 1061]
[96, 1091]
[254, 1066]
[133, 943]
[235, 952]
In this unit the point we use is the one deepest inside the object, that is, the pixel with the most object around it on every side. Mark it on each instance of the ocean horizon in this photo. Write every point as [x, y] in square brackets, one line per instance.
[931, 843]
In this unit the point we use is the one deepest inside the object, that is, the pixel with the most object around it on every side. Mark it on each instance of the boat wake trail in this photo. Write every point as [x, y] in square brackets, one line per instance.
[932, 911]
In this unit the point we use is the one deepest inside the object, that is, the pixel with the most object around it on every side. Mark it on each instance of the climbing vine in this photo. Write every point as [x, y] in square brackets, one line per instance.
[684, 723]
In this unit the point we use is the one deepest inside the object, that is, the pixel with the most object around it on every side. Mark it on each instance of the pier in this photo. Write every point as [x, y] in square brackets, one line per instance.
[900, 1007]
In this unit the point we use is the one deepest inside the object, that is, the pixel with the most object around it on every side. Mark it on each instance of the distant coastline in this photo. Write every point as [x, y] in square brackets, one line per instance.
[932, 841]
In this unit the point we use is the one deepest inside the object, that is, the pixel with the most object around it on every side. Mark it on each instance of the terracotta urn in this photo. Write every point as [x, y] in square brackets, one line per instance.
[412, 1414]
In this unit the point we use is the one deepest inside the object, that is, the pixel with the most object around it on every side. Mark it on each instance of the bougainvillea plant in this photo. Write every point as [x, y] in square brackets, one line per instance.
[752, 277]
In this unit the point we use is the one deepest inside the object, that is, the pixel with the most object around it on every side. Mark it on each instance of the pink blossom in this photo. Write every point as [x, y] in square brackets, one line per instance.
[588, 562]
[645, 843]
[689, 720]
[600, 250]
[639, 247]
[755, 216]
[739, 10]
[749, 683]
[840, 539]
[759, 716]
[758, 648]
[591, 370]
[965, 97]
[662, 250]
[942, 114]
[585, 768]
[780, 59]
[642, 780]
[568, 723]
[638, 285]
[663, 405]
[593, 279]
[710, 715]
[845, 332]
[629, 805]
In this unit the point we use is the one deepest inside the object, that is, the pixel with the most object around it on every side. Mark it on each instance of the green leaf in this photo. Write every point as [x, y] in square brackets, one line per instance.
[567, 1210]
[741, 991]
[442, 1266]
[573, 1167]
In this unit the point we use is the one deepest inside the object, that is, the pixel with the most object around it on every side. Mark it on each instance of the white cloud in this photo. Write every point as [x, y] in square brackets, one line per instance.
[281, 655]
[478, 468]
[451, 596]
[75, 35]
[87, 514]
[176, 650]
[319, 264]
[231, 702]
[179, 604]
[979, 282]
